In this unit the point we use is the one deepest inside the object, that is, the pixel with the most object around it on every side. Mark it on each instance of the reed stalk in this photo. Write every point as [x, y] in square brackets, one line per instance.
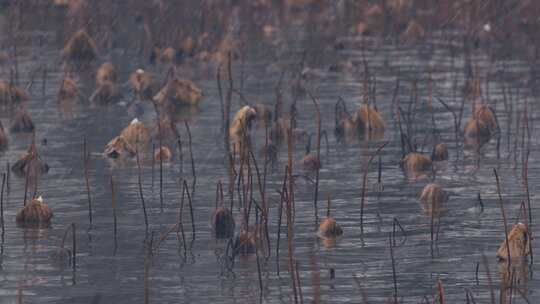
[317, 172]
[364, 185]
[86, 179]
[141, 194]
[504, 217]
[194, 174]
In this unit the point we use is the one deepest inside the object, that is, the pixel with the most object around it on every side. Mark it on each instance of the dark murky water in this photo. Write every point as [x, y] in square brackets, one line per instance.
[112, 271]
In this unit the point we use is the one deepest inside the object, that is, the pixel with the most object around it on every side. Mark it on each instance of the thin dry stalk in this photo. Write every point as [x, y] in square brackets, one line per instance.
[87, 180]
[264, 207]
[36, 179]
[265, 168]
[186, 189]
[504, 217]
[160, 165]
[249, 194]
[299, 283]
[257, 255]
[74, 246]
[44, 80]
[164, 236]
[526, 175]
[432, 222]
[147, 266]
[232, 177]
[219, 194]
[283, 199]
[241, 185]
[476, 273]
[380, 185]
[315, 279]
[141, 194]
[328, 206]
[160, 135]
[181, 155]
[480, 202]
[64, 237]
[364, 185]
[396, 224]
[517, 135]
[441, 291]
[26, 178]
[191, 158]
[180, 222]
[221, 102]
[490, 283]
[153, 164]
[317, 172]
[2, 204]
[456, 121]
[15, 59]
[362, 290]
[393, 268]
[226, 114]
[395, 99]
[325, 136]
[290, 220]
[113, 203]
[7, 177]
[511, 287]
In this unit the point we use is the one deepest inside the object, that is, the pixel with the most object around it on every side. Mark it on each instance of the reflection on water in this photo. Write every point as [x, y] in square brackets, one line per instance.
[320, 52]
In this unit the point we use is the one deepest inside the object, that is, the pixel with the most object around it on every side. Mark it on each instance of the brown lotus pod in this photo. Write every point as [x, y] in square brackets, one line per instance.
[106, 73]
[11, 94]
[22, 122]
[278, 131]
[188, 46]
[179, 92]
[241, 124]
[245, 242]
[440, 152]
[223, 223]
[30, 162]
[416, 164]
[518, 241]
[163, 154]
[80, 48]
[168, 130]
[433, 198]
[106, 93]
[68, 89]
[310, 162]
[368, 120]
[472, 88]
[35, 212]
[119, 147]
[346, 127]
[486, 115]
[481, 127]
[476, 133]
[142, 84]
[136, 133]
[513, 278]
[374, 17]
[329, 228]
[413, 33]
[168, 55]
